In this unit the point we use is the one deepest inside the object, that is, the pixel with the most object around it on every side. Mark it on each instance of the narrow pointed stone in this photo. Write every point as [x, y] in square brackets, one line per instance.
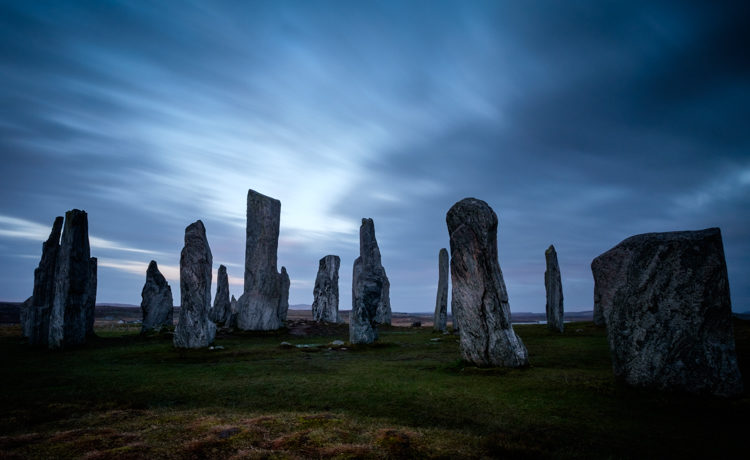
[553, 287]
[325, 306]
[222, 305]
[665, 300]
[284, 284]
[157, 303]
[479, 295]
[71, 313]
[36, 324]
[91, 297]
[441, 302]
[194, 327]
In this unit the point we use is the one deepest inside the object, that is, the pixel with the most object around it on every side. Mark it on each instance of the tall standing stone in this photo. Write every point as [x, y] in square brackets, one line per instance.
[284, 300]
[325, 306]
[479, 295]
[194, 327]
[157, 303]
[222, 305]
[371, 304]
[441, 301]
[36, 324]
[91, 297]
[72, 308]
[260, 306]
[665, 299]
[553, 286]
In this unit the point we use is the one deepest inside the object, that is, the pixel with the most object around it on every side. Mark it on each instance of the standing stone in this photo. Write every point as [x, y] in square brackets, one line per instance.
[222, 305]
[553, 286]
[441, 302]
[23, 314]
[479, 295]
[36, 324]
[91, 297]
[72, 307]
[665, 299]
[266, 291]
[194, 328]
[371, 304]
[325, 306]
[284, 301]
[232, 321]
[156, 301]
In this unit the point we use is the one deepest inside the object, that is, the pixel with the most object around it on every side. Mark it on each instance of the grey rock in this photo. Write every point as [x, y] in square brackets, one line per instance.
[665, 300]
[36, 321]
[157, 302]
[194, 326]
[337, 343]
[553, 286]
[91, 297]
[480, 300]
[441, 302]
[258, 308]
[371, 303]
[23, 314]
[71, 317]
[222, 309]
[325, 306]
[285, 283]
[232, 321]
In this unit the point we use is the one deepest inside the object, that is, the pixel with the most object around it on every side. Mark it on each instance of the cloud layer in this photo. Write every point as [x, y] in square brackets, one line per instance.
[579, 123]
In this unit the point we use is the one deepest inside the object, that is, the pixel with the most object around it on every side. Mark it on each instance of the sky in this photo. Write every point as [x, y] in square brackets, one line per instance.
[579, 123]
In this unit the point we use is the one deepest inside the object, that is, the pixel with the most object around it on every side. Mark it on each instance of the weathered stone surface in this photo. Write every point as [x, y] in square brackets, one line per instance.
[72, 309]
[284, 300]
[91, 297]
[36, 322]
[194, 327]
[232, 321]
[325, 306]
[156, 301]
[259, 307]
[222, 305]
[553, 286]
[23, 314]
[665, 300]
[441, 302]
[480, 300]
[371, 303]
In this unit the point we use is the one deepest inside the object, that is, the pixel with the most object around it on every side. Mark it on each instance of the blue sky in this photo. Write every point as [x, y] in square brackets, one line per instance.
[580, 123]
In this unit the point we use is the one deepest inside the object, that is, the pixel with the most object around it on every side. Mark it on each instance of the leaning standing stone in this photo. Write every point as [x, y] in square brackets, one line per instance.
[325, 306]
[441, 302]
[70, 316]
[36, 324]
[156, 301]
[194, 328]
[553, 286]
[284, 283]
[479, 295]
[665, 299]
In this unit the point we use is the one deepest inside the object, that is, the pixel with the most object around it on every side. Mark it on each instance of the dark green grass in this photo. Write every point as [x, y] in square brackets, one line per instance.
[406, 396]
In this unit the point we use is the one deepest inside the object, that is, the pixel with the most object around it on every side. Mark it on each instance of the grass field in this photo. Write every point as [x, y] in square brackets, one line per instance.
[409, 396]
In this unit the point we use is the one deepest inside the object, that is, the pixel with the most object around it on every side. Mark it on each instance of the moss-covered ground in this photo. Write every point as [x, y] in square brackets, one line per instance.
[409, 396]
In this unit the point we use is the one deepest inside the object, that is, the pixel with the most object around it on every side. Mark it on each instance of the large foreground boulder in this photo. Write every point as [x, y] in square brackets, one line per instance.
[441, 301]
[194, 327]
[156, 301]
[222, 304]
[265, 299]
[665, 301]
[553, 286]
[325, 306]
[371, 304]
[72, 314]
[480, 300]
[35, 323]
